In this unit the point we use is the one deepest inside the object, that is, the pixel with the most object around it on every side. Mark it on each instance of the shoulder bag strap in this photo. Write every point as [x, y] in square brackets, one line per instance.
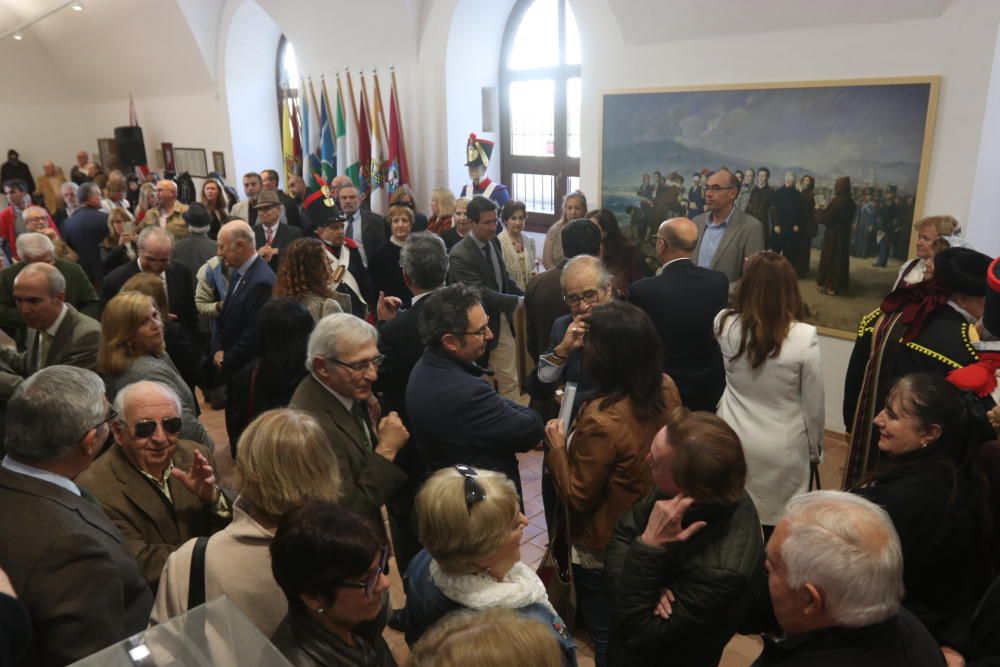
[196, 583]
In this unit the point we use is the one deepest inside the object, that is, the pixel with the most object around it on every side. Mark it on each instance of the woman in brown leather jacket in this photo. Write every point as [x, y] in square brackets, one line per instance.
[599, 469]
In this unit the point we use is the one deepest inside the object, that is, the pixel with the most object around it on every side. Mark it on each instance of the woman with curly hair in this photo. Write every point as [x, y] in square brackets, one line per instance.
[213, 196]
[304, 276]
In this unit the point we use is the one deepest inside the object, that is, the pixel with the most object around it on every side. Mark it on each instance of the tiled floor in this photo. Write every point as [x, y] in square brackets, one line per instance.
[740, 652]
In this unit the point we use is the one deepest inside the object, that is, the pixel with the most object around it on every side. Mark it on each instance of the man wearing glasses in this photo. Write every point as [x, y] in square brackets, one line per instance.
[343, 360]
[726, 235]
[159, 490]
[456, 417]
[65, 558]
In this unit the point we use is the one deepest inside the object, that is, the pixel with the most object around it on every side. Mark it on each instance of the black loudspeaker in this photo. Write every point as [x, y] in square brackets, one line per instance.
[131, 148]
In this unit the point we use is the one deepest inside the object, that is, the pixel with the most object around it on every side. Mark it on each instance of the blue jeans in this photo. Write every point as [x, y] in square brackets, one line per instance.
[595, 609]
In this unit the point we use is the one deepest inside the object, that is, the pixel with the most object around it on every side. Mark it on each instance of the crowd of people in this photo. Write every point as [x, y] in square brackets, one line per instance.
[379, 376]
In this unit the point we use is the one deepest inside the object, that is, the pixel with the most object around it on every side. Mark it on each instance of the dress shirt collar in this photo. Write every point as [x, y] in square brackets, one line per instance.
[51, 331]
[348, 403]
[245, 266]
[711, 218]
[38, 473]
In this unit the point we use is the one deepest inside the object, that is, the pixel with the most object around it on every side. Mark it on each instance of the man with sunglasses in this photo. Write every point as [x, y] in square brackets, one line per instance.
[682, 301]
[455, 416]
[159, 490]
[726, 235]
[68, 562]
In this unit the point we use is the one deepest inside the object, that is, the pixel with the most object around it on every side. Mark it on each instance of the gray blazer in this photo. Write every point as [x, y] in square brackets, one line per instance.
[467, 264]
[75, 344]
[743, 237]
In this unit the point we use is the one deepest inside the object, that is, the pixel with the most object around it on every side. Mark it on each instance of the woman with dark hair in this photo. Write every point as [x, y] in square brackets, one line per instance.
[929, 484]
[283, 328]
[331, 565]
[774, 385]
[304, 276]
[604, 471]
[213, 196]
[623, 259]
[518, 249]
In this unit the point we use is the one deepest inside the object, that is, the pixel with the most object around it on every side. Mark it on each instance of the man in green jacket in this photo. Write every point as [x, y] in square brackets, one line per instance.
[31, 248]
[687, 562]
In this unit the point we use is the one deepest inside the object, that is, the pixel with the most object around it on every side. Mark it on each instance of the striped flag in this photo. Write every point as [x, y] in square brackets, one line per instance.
[347, 140]
[329, 149]
[397, 171]
[364, 138]
[313, 159]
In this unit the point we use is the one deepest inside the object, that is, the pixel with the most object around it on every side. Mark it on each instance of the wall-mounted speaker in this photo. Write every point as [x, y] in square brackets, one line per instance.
[131, 148]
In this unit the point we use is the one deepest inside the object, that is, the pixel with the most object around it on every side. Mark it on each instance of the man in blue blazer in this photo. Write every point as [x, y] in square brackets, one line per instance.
[250, 287]
[683, 301]
[455, 416]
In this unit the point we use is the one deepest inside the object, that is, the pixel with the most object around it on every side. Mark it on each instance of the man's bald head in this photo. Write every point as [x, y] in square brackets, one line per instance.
[679, 236]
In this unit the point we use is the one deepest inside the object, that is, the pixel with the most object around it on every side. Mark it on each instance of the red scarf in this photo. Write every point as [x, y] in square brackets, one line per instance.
[915, 302]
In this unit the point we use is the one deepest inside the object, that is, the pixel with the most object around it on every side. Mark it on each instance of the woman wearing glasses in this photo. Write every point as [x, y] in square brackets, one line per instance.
[331, 566]
[471, 525]
[285, 460]
[133, 348]
[600, 470]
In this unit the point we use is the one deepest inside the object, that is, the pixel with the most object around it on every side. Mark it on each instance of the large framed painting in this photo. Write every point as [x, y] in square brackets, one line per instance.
[877, 132]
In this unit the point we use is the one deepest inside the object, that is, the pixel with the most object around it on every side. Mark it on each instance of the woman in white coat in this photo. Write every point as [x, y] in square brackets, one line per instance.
[774, 386]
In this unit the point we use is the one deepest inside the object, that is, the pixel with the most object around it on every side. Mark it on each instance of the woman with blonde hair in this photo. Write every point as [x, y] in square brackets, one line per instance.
[491, 638]
[147, 200]
[133, 348]
[119, 247]
[471, 525]
[442, 208]
[574, 207]
[929, 230]
[403, 196]
[115, 192]
[285, 460]
[304, 276]
[774, 383]
[387, 276]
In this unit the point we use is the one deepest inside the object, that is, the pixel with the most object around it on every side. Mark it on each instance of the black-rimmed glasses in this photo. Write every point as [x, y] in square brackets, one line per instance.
[359, 366]
[480, 332]
[590, 296]
[371, 581]
[145, 428]
[474, 492]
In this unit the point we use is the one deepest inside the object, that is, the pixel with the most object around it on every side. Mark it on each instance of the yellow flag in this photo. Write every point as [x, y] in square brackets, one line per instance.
[287, 149]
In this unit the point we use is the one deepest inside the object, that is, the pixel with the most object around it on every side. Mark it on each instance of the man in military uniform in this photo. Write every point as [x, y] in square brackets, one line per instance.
[478, 153]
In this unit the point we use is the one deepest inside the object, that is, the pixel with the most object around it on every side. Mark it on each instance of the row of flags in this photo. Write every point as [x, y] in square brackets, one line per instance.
[321, 140]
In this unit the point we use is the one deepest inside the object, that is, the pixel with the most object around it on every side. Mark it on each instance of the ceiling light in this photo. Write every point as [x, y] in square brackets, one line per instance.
[18, 36]
[78, 6]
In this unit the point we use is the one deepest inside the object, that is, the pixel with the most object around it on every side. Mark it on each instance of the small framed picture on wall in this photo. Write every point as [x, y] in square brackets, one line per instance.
[219, 162]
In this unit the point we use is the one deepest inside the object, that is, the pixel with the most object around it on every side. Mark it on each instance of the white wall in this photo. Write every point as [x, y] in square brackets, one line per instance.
[984, 214]
[959, 46]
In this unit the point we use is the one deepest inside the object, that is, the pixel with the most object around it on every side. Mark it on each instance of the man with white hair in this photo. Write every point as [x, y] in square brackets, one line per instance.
[156, 248]
[57, 332]
[69, 192]
[34, 248]
[160, 491]
[250, 285]
[168, 212]
[343, 361]
[835, 574]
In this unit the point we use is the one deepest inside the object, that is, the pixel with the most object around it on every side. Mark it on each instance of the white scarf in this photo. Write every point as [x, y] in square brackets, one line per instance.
[520, 588]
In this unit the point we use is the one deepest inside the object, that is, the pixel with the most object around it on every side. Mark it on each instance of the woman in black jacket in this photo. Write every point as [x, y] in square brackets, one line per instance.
[931, 489]
[283, 329]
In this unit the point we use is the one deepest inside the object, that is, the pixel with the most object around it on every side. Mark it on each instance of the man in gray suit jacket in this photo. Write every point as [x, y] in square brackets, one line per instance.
[477, 261]
[726, 235]
[67, 561]
[57, 332]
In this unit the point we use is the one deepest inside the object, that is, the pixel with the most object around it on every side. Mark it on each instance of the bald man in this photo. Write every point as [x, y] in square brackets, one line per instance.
[168, 212]
[683, 301]
[250, 287]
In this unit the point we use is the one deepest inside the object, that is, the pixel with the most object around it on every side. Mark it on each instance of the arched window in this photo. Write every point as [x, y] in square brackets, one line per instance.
[540, 106]
[287, 84]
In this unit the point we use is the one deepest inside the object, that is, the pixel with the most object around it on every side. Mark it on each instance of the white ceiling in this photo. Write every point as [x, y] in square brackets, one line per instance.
[653, 21]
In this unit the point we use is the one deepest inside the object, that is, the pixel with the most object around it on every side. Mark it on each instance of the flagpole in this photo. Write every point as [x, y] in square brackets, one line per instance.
[378, 93]
[355, 114]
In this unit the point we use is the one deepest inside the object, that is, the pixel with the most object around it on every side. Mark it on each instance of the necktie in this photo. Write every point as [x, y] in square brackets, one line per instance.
[89, 497]
[359, 419]
[233, 282]
[269, 231]
[349, 231]
[491, 258]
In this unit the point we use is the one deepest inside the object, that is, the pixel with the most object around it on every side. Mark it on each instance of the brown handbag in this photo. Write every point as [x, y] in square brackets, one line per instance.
[556, 570]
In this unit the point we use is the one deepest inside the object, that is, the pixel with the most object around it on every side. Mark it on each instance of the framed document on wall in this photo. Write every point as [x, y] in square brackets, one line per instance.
[219, 162]
[191, 160]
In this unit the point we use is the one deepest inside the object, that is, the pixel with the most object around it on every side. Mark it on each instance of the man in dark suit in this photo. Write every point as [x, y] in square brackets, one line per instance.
[272, 237]
[32, 248]
[425, 266]
[65, 558]
[456, 417]
[682, 302]
[250, 287]
[477, 261]
[369, 231]
[57, 332]
[289, 212]
[156, 247]
[159, 490]
[85, 230]
[344, 359]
